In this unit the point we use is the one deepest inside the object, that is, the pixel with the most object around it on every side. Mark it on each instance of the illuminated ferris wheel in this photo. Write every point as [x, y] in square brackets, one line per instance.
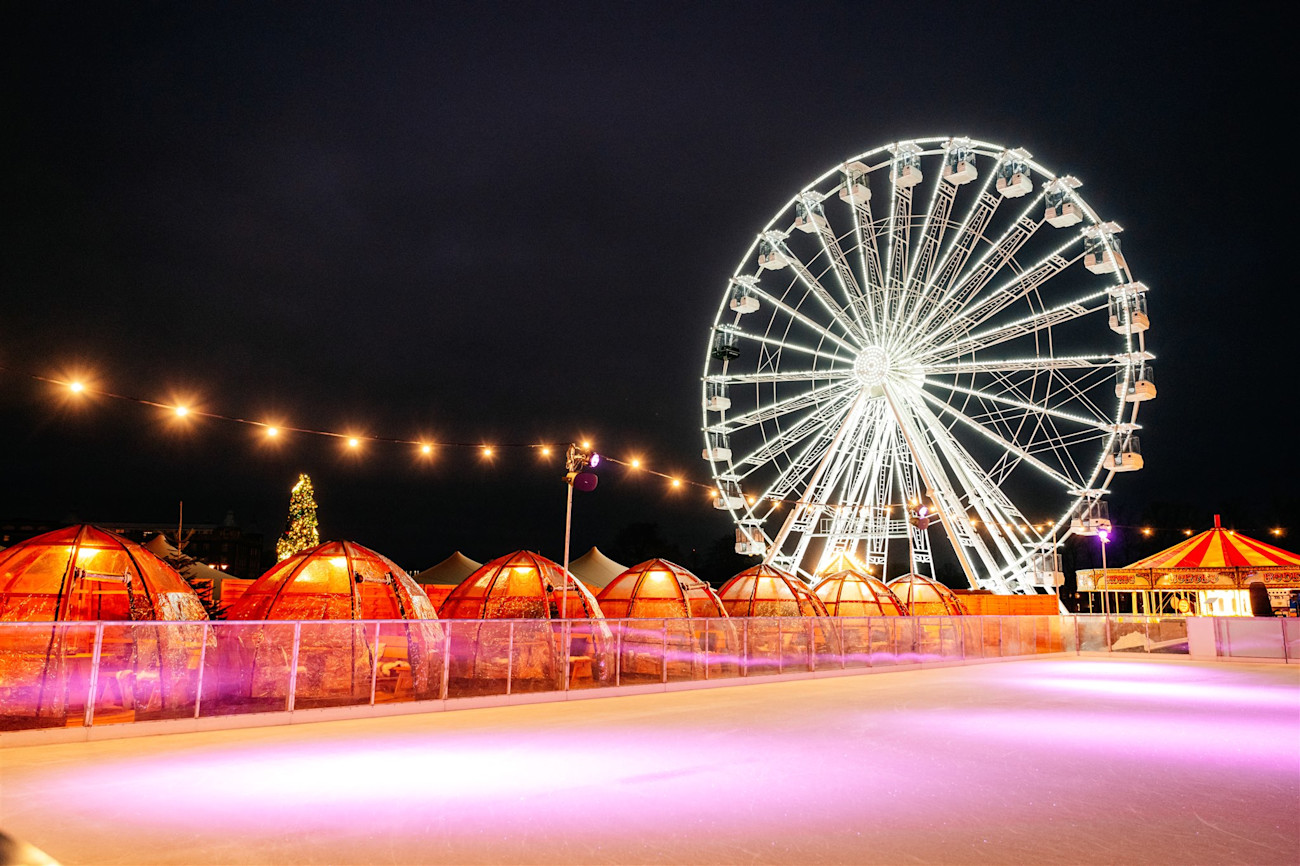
[934, 339]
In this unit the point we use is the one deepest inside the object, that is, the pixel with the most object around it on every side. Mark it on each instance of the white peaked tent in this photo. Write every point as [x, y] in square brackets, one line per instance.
[450, 572]
[595, 568]
[160, 547]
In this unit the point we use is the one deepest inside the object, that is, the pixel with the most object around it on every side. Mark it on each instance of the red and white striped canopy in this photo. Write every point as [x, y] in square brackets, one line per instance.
[1218, 548]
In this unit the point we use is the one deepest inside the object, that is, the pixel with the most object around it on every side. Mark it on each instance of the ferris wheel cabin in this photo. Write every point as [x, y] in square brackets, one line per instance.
[742, 298]
[809, 216]
[855, 187]
[959, 165]
[1102, 256]
[1062, 211]
[715, 397]
[907, 167]
[717, 448]
[726, 344]
[1128, 310]
[749, 540]
[1136, 383]
[1013, 178]
[771, 257]
[729, 497]
[1125, 456]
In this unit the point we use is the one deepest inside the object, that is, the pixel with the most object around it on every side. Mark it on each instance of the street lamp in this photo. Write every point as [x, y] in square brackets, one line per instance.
[577, 460]
[1105, 584]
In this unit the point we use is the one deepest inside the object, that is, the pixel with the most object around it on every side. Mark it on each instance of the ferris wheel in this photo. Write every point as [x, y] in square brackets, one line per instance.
[935, 338]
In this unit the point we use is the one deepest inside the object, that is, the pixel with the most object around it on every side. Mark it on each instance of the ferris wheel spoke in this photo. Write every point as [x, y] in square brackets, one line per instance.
[1018, 287]
[1019, 404]
[783, 344]
[795, 314]
[852, 292]
[1009, 365]
[782, 407]
[814, 287]
[1039, 321]
[801, 430]
[777, 376]
[933, 230]
[896, 253]
[944, 408]
[858, 195]
[994, 259]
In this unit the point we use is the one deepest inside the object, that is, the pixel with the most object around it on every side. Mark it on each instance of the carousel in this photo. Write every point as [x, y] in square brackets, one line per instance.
[1207, 575]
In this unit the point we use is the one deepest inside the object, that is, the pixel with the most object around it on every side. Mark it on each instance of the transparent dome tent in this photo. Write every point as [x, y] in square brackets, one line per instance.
[531, 626]
[851, 593]
[322, 593]
[925, 596]
[62, 585]
[681, 625]
[766, 596]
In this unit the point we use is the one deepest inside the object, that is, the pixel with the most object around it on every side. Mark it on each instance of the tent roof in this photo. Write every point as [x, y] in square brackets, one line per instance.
[450, 572]
[595, 568]
[160, 547]
[1219, 548]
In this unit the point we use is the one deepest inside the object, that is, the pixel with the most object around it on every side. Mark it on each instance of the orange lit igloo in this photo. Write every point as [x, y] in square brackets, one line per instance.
[520, 637]
[84, 573]
[328, 589]
[334, 580]
[766, 591]
[925, 596]
[765, 596]
[658, 589]
[851, 593]
[688, 630]
[90, 595]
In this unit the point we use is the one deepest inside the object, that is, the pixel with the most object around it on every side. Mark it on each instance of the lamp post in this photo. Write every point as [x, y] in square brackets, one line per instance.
[1105, 584]
[576, 461]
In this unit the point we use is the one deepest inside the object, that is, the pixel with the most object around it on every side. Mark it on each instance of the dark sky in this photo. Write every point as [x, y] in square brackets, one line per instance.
[513, 223]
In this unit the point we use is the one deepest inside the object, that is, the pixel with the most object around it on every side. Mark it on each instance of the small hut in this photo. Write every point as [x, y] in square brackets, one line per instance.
[328, 589]
[925, 596]
[524, 604]
[66, 583]
[687, 628]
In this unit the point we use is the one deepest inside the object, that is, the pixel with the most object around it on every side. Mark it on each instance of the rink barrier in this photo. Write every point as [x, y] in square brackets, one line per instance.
[94, 680]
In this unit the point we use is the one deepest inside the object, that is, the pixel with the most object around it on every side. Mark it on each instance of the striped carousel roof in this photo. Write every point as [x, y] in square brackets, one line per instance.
[1218, 548]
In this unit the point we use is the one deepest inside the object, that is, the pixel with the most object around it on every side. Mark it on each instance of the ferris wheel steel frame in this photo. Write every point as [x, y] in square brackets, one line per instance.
[912, 365]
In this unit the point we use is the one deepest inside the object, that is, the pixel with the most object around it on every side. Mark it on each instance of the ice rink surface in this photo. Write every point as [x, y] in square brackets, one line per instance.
[1071, 761]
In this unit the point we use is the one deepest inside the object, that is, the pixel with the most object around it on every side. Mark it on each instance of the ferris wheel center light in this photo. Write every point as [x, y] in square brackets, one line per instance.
[871, 366]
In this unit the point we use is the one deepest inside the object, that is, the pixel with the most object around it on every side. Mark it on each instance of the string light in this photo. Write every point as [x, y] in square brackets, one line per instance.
[79, 386]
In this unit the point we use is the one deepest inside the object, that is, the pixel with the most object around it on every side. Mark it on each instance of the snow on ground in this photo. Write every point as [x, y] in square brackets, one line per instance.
[1063, 760]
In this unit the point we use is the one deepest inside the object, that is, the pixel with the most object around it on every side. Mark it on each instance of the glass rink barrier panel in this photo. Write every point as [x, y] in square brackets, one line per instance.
[45, 673]
[109, 673]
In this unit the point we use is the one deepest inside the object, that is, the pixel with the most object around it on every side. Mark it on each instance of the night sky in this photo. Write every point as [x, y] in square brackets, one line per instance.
[513, 223]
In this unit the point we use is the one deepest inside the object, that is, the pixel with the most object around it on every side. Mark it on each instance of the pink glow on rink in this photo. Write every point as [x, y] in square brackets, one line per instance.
[1131, 761]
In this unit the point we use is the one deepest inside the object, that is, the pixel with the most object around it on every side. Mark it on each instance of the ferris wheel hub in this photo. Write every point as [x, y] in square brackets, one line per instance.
[871, 367]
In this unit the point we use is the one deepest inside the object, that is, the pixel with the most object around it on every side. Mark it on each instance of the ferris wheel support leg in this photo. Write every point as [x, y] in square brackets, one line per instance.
[779, 541]
[929, 479]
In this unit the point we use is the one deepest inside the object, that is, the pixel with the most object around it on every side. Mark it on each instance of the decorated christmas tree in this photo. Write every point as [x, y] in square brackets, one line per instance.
[302, 532]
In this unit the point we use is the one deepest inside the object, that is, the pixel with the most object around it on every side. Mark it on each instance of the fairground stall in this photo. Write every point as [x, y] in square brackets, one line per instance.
[62, 586]
[1207, 575]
